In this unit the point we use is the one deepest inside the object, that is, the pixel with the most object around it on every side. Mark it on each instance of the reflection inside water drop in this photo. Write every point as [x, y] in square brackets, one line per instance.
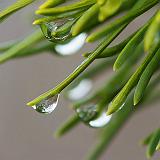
[58, 30]
[81, 90]
[73, 46]
[87, 113]
[101, 121]
[47, 105]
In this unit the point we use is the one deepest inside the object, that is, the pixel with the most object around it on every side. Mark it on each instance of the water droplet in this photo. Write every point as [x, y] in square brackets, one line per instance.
[47, 105]
[50, 30]
[101, 121]
[87, 113]
[81, 90]
[72, 46]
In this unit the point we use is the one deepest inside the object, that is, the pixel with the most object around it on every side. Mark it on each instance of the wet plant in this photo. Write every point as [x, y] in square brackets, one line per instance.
[63, 28]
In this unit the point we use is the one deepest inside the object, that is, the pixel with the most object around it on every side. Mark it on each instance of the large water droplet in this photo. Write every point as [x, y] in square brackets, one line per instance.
[101, 121]
[87, 113]
[50, 30]
[72, 46]
[47, 105]
[81, 90]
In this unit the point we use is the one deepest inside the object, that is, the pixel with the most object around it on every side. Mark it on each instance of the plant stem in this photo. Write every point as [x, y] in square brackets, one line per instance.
[13, 8]
[16, 49]
[79, 69]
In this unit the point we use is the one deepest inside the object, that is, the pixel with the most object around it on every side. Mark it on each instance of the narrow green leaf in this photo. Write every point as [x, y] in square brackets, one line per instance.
[67, 126]
[158, 146]
[51, 3]
[30, 51]
[79, 69]
[111, 51]
[109, 8]
[153, 33]
[130, 47]
[116, 123]
[145, 77]
[93, 71]
[13, 8]
[16, 49]
[153, 143]
[72, 14]
[147, 140]
[139, 8]
[92, 12]
[6, 45]
[101, 2]
[111, 130]
[119, 100]
[68, 8]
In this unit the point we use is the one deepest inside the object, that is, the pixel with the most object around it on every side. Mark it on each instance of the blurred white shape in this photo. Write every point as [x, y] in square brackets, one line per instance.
[81, 90]
[100, 121]
[73, 46]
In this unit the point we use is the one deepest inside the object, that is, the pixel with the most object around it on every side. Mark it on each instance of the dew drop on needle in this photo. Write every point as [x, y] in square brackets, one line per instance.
[57, 31]
[87, 113]
[47, 105]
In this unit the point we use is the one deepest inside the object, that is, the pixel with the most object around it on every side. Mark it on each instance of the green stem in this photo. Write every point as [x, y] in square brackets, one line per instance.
[47, 19]
[94, 71]
[67, 126]
[37, 50]
[122, 95]
[79, 69]
[16, 49]
[116, 123]
[63, 9]
[52, 3]
[133, 13]
[153, 143]
[110, 130]
[79, 26]
[145, 77]
[128, 50]
[6, 45]
[13, 8]
[111, 51]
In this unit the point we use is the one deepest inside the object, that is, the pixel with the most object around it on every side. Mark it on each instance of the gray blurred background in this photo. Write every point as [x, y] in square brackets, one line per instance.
[27, 135]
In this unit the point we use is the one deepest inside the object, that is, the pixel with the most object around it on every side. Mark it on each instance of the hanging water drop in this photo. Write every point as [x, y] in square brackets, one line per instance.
[101, 121]
[72, 46]
[87, 113]
[57, 31]
[81, 90]
[47, 105]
